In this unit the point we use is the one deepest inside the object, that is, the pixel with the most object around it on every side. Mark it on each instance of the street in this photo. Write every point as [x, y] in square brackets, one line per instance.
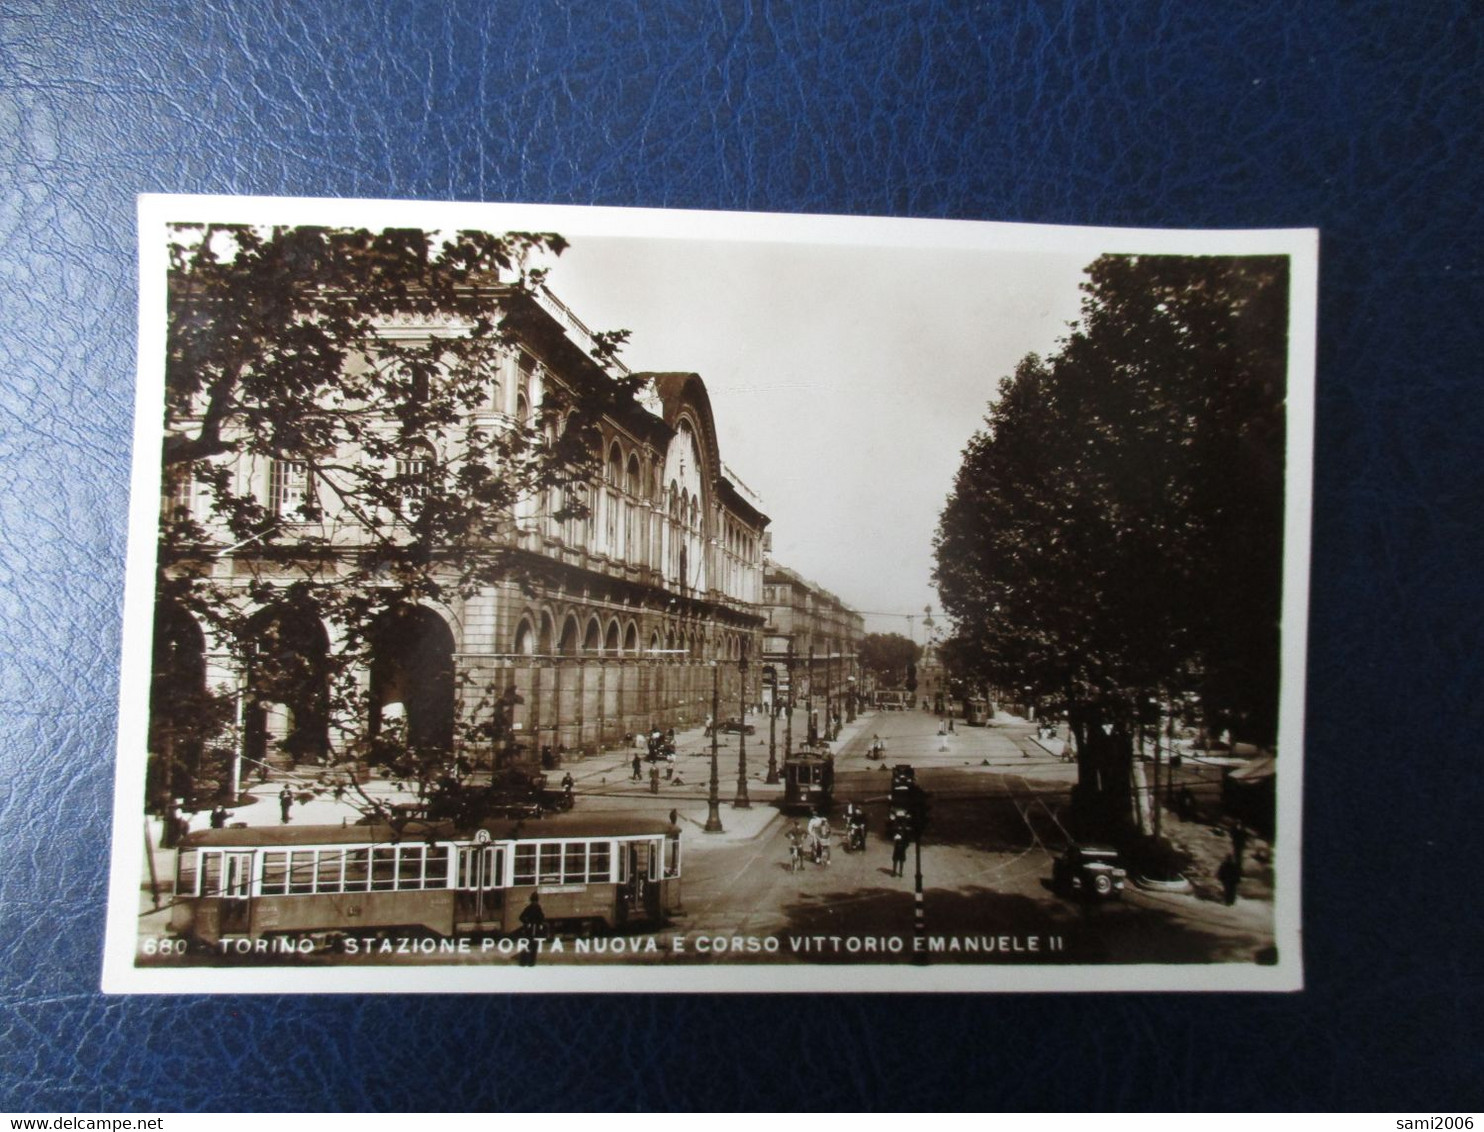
[998, 811]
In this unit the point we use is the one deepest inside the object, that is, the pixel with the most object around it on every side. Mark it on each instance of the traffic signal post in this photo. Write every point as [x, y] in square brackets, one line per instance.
[909, 803]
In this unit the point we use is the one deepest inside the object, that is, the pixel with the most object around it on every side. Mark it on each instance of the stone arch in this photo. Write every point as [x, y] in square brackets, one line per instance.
[567, 643]
[181, 711]
[545, 639]
[412, 680]
[286, 702]
[611, 639]
[525, 637]
[592, 639]
[631, 639]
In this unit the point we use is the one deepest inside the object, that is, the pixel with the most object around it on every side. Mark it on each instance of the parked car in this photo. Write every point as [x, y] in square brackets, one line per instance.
[1089, 870]
[734, 725]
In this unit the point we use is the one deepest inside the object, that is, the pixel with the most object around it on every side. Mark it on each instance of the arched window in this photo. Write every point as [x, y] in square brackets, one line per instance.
[567, 646]
[525, 638]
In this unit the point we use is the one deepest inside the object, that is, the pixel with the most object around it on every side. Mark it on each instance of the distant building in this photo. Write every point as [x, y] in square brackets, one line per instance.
[811, 646]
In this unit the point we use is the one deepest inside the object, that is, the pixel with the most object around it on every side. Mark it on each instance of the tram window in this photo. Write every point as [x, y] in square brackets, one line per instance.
[329, 877]
[301, 871]
[238, 875]
[185, 874]
[383, 869]
[275, 874]
[525, 864]
[357, 870]
[574, 861]
[672, 856]
[600, 861]
[410, 867]
[468, 858]
[550, 869]
[211, 874]
[435, 871]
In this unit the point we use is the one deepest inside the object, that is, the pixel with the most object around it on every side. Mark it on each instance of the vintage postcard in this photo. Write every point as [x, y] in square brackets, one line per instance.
[529, 598]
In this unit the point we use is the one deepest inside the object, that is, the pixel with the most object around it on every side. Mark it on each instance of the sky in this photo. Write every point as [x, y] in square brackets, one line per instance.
[845, 380]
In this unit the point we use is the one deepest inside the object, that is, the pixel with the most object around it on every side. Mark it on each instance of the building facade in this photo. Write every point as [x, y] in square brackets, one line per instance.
[599, 627]
[811, 647]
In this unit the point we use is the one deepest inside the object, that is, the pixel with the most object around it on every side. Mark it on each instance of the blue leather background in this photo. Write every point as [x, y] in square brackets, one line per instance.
[1362, 119]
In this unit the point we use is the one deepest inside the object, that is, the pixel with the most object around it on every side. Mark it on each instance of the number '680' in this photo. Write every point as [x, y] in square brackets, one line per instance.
[163, 946]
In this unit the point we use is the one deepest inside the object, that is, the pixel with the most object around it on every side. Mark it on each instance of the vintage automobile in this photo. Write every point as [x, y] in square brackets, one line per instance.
[1088, 870]
[730, 725]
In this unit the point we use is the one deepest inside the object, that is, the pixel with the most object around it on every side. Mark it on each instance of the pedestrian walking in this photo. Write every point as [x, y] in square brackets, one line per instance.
[285, 803]
[1230, 875]
[638, 775]
[898, 854]
[219, 817]
[532, 930]
[674, 817]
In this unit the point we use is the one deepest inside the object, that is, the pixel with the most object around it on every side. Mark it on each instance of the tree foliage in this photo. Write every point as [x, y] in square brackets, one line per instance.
[360, 364]
[1115, 530]
[887, 655]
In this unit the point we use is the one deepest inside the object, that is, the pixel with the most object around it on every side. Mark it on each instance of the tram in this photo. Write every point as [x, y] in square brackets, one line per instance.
[261, 881]
[808, 780]
[976, 711]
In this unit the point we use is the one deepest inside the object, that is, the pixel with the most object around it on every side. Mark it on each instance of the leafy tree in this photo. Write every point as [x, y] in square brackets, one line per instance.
[887, 655]
[359, 365]
[1115, 531]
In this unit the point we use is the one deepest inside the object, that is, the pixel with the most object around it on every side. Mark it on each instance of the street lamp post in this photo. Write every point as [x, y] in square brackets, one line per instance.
[788, 706]
[713, 802]
[742, 801]
[829, 682]
[809, 703]
[772, 779]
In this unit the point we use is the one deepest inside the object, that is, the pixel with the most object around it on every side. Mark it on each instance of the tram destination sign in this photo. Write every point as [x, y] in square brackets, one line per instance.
[538, 598]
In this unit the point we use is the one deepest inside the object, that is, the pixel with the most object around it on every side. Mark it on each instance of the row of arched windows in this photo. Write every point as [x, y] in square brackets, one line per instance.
[539, 638]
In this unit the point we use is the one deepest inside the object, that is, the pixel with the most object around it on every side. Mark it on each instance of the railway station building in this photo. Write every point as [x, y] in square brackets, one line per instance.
[607, 626]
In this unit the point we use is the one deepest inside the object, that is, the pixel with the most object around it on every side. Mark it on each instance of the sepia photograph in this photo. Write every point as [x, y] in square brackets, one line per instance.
[540, 598]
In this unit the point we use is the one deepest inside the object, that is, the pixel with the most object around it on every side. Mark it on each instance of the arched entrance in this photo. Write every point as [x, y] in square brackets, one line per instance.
[183, 717]
[412, 679]
[285, 711]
